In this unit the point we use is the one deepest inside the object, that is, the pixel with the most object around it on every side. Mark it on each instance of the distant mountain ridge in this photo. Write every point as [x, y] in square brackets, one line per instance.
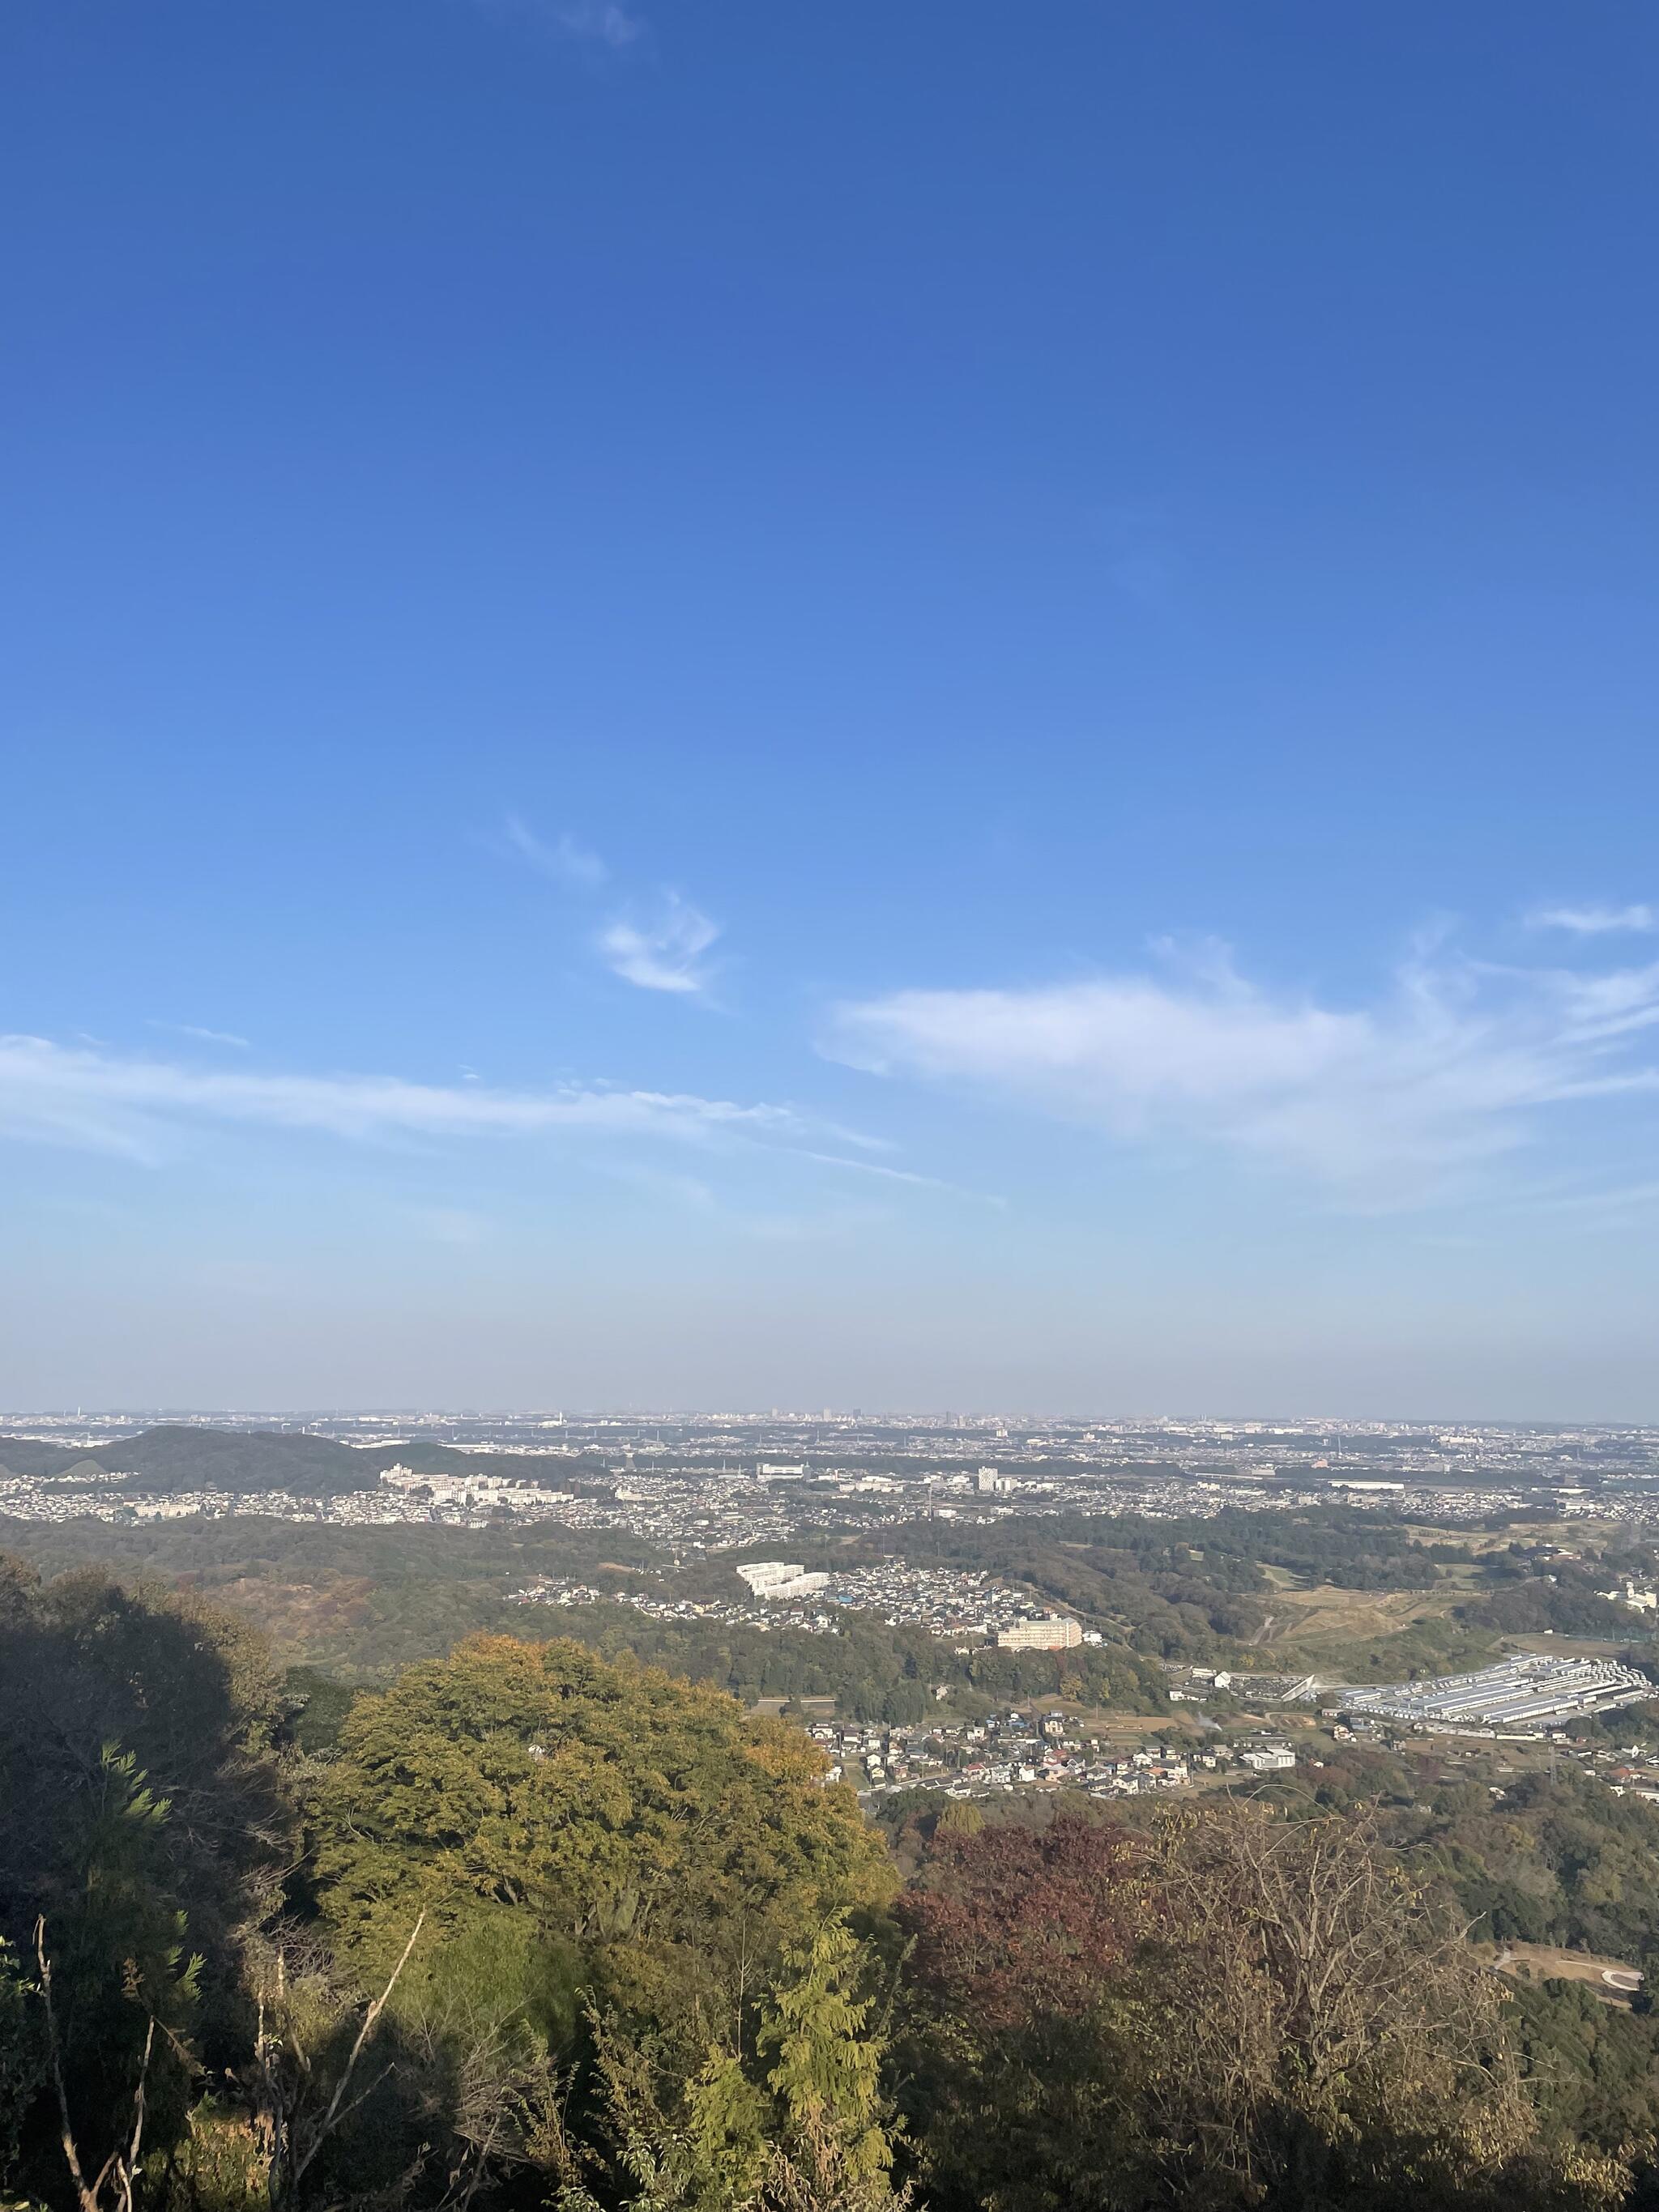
[171, 1458]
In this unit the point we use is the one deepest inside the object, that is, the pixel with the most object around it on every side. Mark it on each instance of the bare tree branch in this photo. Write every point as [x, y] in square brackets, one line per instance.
[123, 2167]
[329, 2118]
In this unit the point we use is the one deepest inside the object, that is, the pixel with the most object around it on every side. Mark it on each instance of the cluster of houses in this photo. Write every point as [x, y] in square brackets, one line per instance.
[967, 1609]
[1013, 1750]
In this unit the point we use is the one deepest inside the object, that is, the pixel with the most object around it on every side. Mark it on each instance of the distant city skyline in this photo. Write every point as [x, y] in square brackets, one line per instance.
[715, 709]
[1446, 1431]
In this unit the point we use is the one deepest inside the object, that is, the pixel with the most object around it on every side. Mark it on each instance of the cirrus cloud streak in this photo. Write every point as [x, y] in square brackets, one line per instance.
[1411, 1098]
[113, 1102]
[1596, 921]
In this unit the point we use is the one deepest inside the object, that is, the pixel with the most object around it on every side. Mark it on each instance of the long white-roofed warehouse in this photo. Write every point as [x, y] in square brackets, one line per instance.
[1523, 1694]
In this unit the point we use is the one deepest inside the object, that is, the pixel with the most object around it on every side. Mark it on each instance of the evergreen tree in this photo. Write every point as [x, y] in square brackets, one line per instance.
[826, 2078]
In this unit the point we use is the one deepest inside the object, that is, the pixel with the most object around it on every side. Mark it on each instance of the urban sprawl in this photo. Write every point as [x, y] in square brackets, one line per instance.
[701, 1483]
[695, 1486]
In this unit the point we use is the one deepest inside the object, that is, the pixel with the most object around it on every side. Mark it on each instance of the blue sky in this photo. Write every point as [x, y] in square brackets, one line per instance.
[729, 704]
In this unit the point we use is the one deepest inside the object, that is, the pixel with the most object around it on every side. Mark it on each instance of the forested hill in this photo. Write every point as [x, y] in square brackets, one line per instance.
[176, 1458]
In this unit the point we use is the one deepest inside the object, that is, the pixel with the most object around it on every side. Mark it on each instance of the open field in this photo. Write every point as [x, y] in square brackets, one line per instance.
[1547, 1962]
[1121, 1729]
[1375, 1635]
[1572, 1647]
[1327, 1615]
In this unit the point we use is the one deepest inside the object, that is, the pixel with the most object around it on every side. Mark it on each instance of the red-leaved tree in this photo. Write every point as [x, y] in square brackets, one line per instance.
[1014, 1922]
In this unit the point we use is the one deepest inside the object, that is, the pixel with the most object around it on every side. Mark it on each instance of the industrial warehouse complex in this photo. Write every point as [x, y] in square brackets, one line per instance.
[1522, 1694]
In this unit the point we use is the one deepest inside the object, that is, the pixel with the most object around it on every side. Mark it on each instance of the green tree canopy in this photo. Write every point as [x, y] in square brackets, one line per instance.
[557, 1816]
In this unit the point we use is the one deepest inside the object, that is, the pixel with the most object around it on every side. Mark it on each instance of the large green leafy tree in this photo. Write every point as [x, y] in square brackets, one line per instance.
[575, 1831]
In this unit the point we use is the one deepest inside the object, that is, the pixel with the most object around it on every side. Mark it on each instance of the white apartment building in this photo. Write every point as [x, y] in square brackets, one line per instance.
[1054, 1632]
[780, 1578]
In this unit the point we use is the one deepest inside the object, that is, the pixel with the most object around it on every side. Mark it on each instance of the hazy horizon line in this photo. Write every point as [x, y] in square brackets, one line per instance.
[578, 1414]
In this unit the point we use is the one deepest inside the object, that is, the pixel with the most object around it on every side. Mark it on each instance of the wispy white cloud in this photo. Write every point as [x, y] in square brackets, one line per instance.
[1412, 1097]
[599, 23]
[601, 20]
[569, 864]
[143, 1109]
[113, 1102]
[893, 1175]
[1596, 921]
[203, 1036]
[658, 948]
[665, 953]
